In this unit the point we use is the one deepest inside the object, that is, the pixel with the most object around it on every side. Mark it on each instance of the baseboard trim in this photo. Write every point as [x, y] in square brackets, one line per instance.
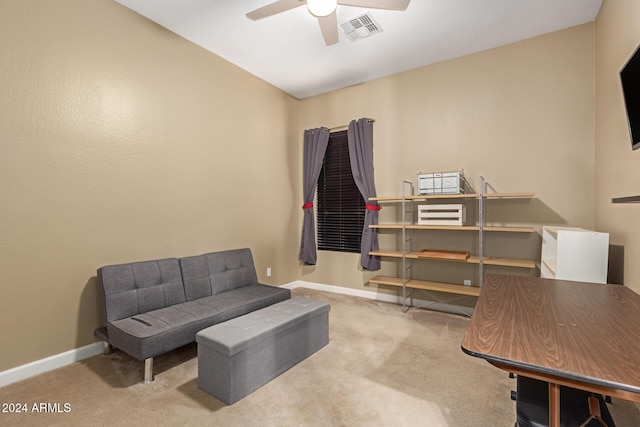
[47, 364]
[395, 299]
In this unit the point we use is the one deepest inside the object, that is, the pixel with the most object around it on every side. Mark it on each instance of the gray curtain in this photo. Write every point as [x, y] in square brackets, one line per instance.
[360, 140]
[315, 145]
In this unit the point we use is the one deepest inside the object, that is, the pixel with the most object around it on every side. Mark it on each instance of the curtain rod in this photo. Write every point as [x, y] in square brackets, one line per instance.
[345, 127]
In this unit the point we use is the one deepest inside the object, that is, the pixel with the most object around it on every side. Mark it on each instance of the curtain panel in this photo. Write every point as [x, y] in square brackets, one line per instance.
[360, 140]
[315, 145]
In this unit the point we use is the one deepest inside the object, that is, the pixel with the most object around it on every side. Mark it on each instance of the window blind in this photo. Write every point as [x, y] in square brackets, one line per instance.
[340, 207]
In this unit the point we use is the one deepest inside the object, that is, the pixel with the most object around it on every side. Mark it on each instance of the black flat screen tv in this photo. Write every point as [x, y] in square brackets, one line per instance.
[630, 78]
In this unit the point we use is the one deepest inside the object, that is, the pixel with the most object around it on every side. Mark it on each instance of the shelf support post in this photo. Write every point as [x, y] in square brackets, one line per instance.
[407, 265]
[481, 221]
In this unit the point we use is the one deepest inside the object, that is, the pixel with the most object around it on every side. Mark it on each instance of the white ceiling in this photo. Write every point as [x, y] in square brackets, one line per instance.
[288, 51]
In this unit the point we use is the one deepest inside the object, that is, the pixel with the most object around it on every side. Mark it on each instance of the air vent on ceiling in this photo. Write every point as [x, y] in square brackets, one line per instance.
[360, 27]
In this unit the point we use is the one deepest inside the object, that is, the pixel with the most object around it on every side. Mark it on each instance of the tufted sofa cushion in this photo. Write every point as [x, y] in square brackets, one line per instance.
[140, 287]
[156, 332]
[213, 273]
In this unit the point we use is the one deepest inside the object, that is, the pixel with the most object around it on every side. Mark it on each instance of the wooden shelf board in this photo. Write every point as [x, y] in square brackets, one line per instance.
[509, 229]
[525, 195]
[387, 226]
[427, 285]
[443, 254]
[413, 255]
[503, 262]
[509, 262]
[455, 196]
[426, 227]
[392, 254]
[443, 227]
[488, 228]
[424, 197]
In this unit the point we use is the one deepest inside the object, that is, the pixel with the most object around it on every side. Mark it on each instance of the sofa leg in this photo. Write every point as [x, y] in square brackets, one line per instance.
[108, 348]
[148, 370]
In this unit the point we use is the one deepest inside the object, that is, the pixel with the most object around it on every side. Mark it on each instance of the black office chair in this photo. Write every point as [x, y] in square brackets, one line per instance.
[578, 408]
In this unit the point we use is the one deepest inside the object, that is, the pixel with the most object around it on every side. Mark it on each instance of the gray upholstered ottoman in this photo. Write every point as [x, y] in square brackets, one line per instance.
[238, 356]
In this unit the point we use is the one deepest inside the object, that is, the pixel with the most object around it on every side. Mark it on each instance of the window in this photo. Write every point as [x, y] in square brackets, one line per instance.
[340, 206]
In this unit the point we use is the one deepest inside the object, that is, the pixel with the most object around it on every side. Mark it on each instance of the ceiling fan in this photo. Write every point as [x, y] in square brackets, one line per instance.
[325, 11]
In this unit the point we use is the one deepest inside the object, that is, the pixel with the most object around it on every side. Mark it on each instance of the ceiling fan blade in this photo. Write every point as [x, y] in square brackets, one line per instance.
[377, 4]
[329, 28]
[274, 8]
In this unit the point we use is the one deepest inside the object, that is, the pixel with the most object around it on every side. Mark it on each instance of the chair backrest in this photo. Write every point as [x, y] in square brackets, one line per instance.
[216, 272]
[140, 287]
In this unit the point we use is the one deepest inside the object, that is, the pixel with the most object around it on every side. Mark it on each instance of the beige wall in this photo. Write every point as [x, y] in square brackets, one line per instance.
[617, 167]
[120, 141]
[519, 115]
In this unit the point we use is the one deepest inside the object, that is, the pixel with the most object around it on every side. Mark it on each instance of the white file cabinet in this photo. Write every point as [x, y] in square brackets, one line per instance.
[574, 254]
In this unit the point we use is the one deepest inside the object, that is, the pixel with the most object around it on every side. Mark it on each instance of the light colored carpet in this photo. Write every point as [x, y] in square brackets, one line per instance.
[381, 367]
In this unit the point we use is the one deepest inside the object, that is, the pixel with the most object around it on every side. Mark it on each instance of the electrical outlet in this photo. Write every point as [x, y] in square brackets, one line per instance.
[467, 282]
[268, 271]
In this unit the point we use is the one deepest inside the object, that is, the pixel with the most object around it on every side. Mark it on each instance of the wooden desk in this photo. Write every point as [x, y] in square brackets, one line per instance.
[581, 335]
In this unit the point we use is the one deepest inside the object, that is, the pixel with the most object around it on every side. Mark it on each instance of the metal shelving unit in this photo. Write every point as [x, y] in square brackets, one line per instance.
[408, 255]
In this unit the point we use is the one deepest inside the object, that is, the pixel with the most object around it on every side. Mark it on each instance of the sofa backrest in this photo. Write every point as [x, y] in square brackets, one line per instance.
[216, 272]
[140, 287]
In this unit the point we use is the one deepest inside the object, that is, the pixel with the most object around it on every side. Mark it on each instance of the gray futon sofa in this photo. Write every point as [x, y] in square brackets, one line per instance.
[152, 307]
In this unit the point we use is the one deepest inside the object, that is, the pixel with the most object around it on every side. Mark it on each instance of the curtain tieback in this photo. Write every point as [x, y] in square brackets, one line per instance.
[370, 207]
[307, 205]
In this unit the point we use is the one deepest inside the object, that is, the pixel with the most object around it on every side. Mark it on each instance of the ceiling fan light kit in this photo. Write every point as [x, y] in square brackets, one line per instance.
[322, 7]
